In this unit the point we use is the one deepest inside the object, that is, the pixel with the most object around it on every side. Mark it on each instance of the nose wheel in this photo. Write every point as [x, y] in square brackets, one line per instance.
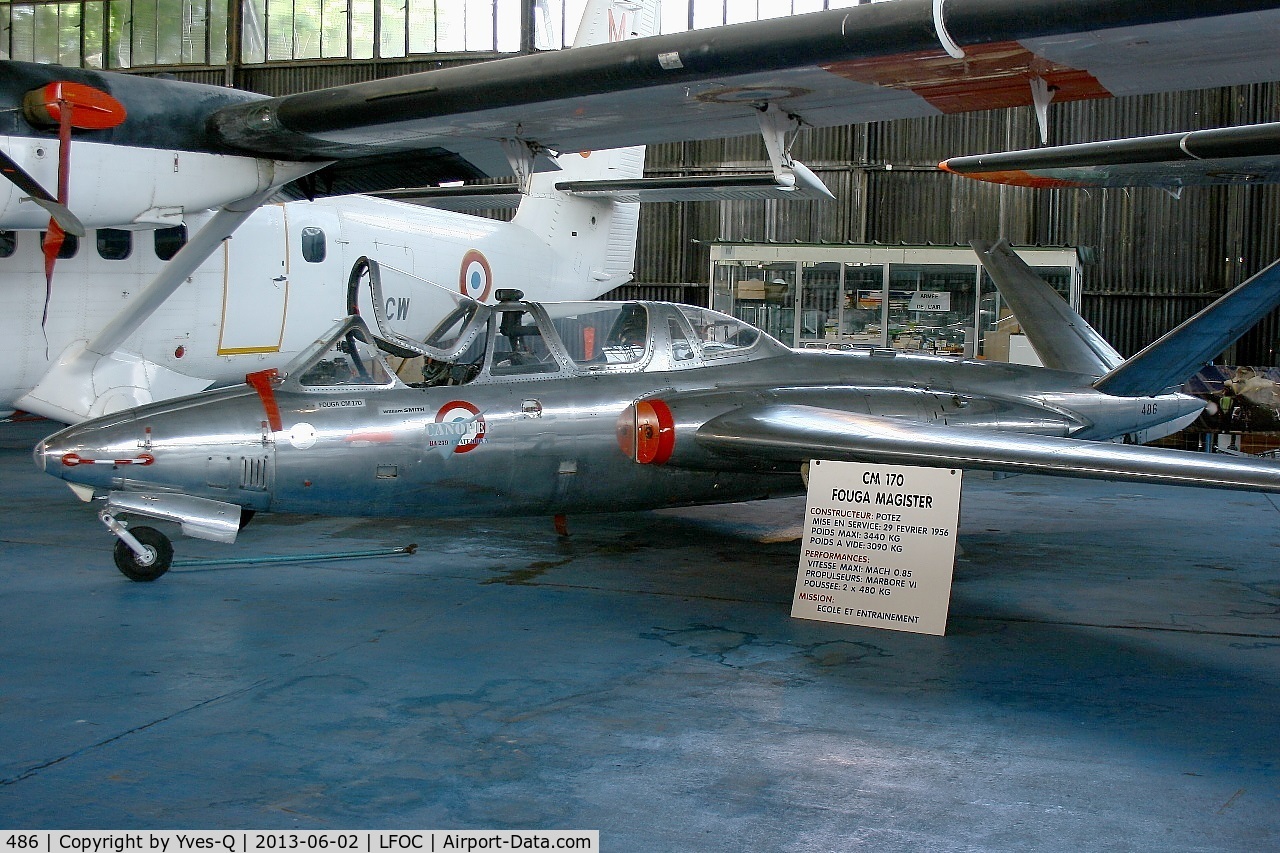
[155, 560]
[142, 553]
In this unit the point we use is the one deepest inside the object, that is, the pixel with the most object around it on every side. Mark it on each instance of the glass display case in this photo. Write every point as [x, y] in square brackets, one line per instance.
[921, 298]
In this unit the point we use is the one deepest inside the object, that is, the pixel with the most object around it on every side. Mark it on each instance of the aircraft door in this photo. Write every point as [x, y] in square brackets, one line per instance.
[315, 271]
[255, 291]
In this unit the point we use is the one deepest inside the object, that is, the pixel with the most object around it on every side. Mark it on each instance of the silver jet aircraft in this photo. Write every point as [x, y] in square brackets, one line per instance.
[526, 408]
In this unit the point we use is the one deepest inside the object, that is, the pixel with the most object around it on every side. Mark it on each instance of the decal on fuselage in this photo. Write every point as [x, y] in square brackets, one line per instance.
[302, 436]
[476, 278]
[397, 307]
[458, 428]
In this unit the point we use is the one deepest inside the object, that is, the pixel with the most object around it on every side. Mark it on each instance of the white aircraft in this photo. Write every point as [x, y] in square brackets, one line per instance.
[259, 298]
[135, 153]
[284, 274]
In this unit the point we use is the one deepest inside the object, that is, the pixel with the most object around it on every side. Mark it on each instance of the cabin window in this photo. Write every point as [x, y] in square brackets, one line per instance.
[313, 247]
[70, 245]
[520, 348]
[8, 243]
[598, 333]
[353, 361]
[720, 335]
[681, 346]
[169, 241]
[114, 244]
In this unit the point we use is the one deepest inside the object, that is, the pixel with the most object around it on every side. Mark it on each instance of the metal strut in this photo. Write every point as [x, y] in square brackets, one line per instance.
[522, 155]
[146, 556]
[775, 123]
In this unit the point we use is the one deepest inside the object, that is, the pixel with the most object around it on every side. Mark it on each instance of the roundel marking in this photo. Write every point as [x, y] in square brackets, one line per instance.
[458, 412]
[750, 94]
[646, 432]
[475, 279]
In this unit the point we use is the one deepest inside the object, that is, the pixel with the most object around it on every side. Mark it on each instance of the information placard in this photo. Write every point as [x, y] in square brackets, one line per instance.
[879, 546]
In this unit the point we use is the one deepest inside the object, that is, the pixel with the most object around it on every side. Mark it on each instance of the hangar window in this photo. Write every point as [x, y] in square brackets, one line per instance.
[8, 243]
[169, 241]
[114, 244]
[313, 246]
[140, 33]
[70, 245]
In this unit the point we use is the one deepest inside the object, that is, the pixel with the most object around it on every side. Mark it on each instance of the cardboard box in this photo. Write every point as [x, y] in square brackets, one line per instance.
[776, 292]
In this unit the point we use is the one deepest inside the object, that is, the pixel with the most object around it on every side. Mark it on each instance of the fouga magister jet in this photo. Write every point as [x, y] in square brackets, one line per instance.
[527, 408]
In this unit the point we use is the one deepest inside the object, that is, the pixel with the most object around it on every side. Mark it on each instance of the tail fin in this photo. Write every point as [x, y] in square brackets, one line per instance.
[601, 233]
[1063, 340]
[1061, 337]
[1172, 359]
[605, 21]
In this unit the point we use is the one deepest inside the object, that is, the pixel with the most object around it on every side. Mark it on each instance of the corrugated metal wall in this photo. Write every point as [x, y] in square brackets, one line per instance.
[1158, 259]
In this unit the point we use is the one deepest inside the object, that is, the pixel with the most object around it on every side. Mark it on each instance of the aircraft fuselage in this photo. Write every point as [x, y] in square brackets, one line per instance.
[542, 444]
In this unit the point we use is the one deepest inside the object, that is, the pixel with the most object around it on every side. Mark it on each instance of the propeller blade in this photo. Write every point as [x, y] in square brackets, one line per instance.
[29, 185]
[62, 215]
[18, 176]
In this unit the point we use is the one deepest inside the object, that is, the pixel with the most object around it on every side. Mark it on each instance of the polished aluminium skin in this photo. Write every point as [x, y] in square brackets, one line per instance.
[581, 407]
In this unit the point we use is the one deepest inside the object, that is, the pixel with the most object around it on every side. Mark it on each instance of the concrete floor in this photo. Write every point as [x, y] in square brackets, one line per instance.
[1110, 679]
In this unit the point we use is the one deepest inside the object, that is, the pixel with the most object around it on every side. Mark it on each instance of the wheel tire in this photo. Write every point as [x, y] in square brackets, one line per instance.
[246, 516]
[127, 561]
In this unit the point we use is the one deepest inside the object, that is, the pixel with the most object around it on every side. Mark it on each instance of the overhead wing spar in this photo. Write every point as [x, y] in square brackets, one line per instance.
[1244, 154]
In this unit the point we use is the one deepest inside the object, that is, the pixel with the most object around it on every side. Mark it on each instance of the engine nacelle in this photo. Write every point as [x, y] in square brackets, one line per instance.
[663, 431]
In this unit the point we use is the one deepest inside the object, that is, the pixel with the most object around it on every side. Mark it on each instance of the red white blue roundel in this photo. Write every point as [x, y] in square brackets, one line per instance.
[458, 425]
[475, 279]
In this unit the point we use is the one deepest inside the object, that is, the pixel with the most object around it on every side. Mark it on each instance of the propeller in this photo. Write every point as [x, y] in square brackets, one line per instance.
[65, 105]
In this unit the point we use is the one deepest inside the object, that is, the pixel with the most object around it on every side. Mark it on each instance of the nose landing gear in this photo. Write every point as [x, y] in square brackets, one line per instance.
[142, 553]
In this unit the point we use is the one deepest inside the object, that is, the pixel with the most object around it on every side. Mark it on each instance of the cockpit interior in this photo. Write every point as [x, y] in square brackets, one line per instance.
[516, 340]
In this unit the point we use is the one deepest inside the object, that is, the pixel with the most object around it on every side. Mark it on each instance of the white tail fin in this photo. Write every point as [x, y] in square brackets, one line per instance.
[606, 21]
[599, 235]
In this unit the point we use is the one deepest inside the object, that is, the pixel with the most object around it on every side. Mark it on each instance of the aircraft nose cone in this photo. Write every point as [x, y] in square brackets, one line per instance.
[48, 455]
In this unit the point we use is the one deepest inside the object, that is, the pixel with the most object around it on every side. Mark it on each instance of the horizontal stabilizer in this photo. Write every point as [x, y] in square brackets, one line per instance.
[800, 185]
[754, 186]
[1176, 356]
[461, 199]
[802, 433]
[1061, 337]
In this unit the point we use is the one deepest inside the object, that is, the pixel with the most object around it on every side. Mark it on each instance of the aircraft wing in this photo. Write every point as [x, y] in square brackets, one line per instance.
[1246, 154]
[877, 61]
[798, 433]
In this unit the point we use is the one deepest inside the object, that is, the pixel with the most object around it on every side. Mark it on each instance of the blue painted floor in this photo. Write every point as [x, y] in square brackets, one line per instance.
[1110, 679]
